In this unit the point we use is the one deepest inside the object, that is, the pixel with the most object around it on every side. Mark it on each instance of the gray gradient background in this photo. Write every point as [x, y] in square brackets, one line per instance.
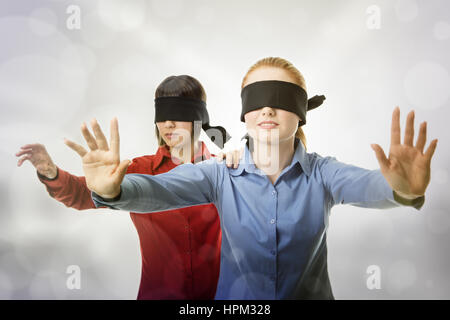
[52, 79]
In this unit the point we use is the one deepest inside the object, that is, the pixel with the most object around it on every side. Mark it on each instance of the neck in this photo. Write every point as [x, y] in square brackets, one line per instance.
[184, 154]
[272, 158]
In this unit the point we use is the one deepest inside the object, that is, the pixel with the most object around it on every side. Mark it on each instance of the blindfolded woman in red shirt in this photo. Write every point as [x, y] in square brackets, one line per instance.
[181, 250]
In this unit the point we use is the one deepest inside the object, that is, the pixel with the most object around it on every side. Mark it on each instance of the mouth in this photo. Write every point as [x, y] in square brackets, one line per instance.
[268, 124]
[171, 135]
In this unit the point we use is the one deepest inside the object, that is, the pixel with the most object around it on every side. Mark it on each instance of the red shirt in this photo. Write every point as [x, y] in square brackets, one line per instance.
[180, 248]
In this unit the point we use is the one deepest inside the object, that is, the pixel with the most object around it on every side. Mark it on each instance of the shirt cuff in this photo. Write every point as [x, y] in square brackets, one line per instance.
[416, 203]
[42, 177]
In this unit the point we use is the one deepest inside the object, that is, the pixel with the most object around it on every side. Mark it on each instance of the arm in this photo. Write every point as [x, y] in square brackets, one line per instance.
[69, 189]
[61, 185]
[184, 186]
[402, 179]
[187, 185]
[407, 169]
[349, 184]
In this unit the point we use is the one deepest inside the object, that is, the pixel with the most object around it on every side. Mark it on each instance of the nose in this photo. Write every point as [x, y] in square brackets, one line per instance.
[169, 124]
[267, 111]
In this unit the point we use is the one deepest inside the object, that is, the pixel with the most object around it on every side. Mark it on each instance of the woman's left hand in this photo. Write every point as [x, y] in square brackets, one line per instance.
[407, 170]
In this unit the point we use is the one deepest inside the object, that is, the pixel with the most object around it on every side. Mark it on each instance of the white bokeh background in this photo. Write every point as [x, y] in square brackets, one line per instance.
[52, 79]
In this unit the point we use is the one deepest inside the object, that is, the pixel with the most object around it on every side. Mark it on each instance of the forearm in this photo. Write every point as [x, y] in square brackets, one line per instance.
[349, 184]
[68, 189]
[371, 190]
[178, 188]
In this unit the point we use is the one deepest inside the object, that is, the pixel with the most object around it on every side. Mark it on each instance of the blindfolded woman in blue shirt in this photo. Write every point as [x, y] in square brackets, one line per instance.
[274, 207]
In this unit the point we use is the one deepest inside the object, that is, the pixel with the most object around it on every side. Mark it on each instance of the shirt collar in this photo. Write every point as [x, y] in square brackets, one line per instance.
[246, 162]
[163, 154]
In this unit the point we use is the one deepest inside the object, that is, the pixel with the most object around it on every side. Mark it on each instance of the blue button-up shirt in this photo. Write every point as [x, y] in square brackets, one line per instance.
[273, 235]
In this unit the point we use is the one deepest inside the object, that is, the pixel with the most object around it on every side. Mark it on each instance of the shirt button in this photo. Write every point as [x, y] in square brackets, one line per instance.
[272, 221]
[274, 193]
[272, 252]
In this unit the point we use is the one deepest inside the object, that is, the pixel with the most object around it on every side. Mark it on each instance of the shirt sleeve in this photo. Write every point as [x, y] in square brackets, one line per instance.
[69, 189]
[184, 186]
[349, 184]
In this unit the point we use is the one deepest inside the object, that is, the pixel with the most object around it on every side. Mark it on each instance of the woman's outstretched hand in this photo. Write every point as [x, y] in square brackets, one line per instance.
[101, 165]
[407, 170]
[39, 158]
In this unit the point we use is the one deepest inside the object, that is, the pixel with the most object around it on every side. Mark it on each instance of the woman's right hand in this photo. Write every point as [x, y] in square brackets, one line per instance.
[39, 158]
[101, 165]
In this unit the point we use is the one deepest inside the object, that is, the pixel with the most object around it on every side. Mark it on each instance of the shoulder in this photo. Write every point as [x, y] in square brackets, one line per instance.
[318, 160]
[144, 159]
[211, 168]
[206, 166]
[322, 166]
[209, 164]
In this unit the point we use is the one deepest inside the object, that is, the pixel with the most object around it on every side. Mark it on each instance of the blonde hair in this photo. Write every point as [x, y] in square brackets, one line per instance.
[296, 75]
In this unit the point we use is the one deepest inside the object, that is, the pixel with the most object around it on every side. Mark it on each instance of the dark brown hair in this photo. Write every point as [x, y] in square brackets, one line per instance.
[180, 86]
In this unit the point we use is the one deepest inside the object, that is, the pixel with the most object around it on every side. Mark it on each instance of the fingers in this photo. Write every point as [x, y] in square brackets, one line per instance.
[32, 146]
[232, 158]
[21, 160]
[88, 137]
[409, 130]
[395, 127]
[115, 139]
[24, 151]
[102, 143]
[422, 138]
[431, 148]
[229, 159]
[236, 158]
[381, 157]
[75, 147]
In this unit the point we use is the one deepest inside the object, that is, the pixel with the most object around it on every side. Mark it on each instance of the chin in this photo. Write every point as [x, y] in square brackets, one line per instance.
[180, 145]
[269, 136]
[269, 139]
